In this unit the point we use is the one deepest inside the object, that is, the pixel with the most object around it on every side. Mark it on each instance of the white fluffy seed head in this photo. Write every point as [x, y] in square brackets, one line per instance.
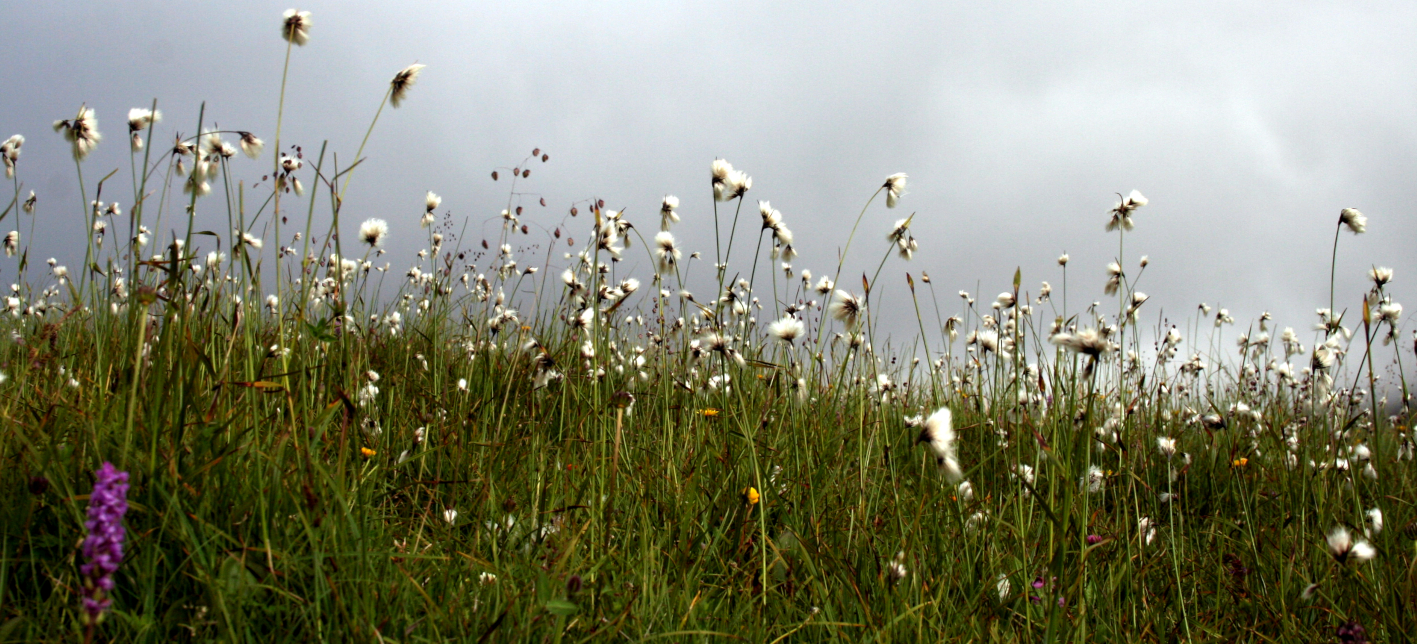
[938, 434]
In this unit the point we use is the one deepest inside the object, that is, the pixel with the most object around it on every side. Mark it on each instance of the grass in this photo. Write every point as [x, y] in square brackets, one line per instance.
[431, 458]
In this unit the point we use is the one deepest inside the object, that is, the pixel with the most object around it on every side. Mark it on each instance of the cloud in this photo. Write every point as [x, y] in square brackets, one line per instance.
[1248, 125]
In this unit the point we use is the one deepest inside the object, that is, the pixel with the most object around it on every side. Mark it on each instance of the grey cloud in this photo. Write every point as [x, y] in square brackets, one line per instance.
[1249, 125]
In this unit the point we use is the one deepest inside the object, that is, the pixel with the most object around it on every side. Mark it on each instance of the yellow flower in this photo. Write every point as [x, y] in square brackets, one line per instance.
[1240, 462]
[751, 496]
[709, 413]
[368, 453]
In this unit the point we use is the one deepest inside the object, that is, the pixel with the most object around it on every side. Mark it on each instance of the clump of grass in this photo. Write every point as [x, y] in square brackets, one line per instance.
[501, 444]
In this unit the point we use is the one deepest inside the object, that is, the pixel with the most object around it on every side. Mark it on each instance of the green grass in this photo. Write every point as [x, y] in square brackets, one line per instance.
[273, 499]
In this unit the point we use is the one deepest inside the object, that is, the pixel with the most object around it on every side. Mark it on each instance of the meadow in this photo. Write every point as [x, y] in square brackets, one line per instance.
[274, 432]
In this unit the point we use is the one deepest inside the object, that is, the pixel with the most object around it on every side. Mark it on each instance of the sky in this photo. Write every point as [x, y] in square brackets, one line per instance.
[1248, 125]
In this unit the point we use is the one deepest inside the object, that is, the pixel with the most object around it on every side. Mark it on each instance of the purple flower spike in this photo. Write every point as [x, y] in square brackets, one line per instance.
[103, 548]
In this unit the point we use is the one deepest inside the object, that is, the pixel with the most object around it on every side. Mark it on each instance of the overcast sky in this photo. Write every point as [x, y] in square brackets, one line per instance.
[1249, 125]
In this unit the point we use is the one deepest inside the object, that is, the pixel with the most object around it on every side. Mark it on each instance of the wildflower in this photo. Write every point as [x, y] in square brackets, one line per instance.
[398, 87]
[938, 434]
[1166, 445]
[29, 203]
[1354, 220]
[10, 153]
[1063, 260]
[1352, 633]
[847, 309]
[295, 29]
[462, 385]
[1122, 212]
[1342, 546]
[895, 185]
[1240, 462]
[368, 453]
[12, 243]
[451, 516]
[140, 119]
[751, 496]
[709, 413]
[103, 547]
[81, 131]
[373, 232]
[787, 329]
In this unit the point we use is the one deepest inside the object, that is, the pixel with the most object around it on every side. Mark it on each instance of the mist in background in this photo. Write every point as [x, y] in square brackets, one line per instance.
[1247, 125]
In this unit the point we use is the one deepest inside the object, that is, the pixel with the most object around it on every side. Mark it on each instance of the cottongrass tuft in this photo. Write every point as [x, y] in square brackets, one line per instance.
[140, 119]
[787, 329]
[295, 27]
[373, 232]
[10, 153]
[938, 434]
[251, 146]
[1122, 212]
[1354, 220]
[895, 187]
[80, 131]
[406, 78]
[1345, 549]
[847, 309]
